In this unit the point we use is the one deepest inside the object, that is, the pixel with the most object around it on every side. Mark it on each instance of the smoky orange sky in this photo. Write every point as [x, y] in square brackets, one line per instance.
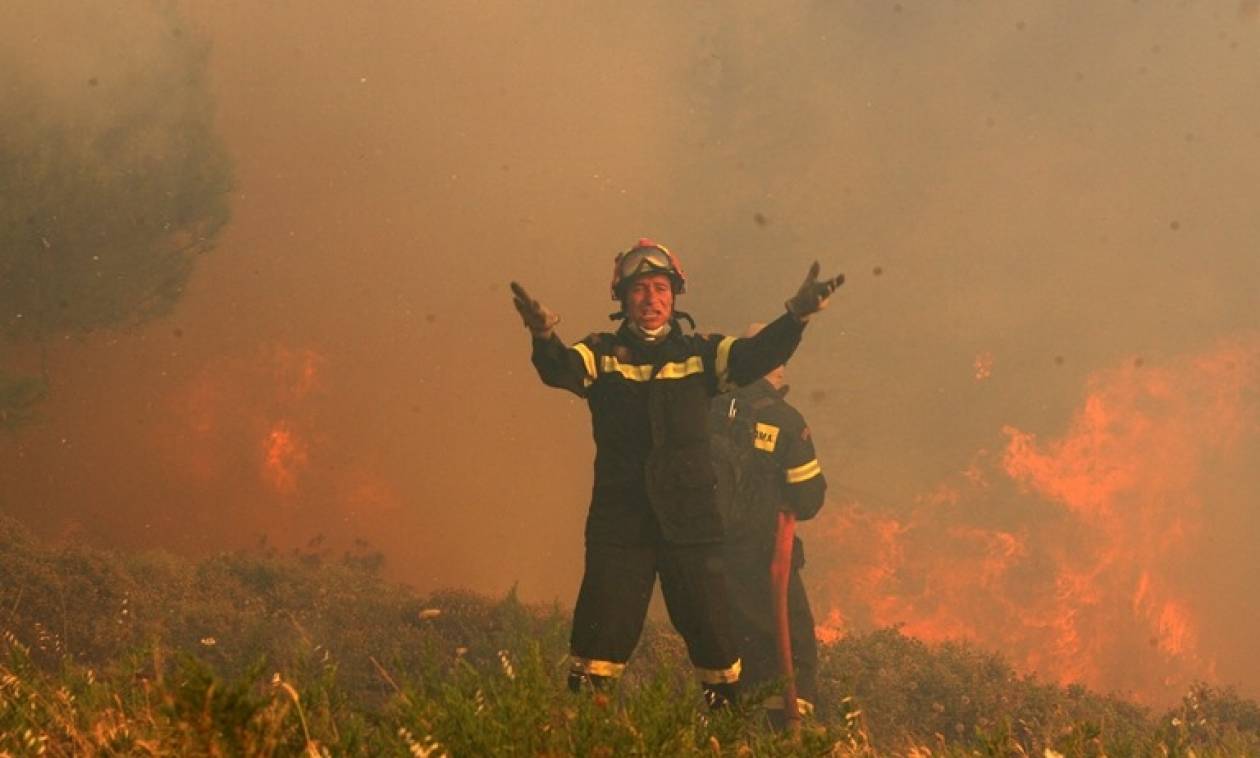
[1043, 209]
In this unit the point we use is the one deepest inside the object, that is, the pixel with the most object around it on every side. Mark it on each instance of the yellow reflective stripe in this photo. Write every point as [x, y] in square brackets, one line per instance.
[635, 373]
[692, 365]
[721, 365]
[597, 668]
[610, 365]
[720, 676]
[588, 360]
[775, 703]
[804, 473]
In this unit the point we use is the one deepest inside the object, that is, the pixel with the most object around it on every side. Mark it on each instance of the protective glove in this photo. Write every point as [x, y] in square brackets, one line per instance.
[538, 318]
[813, 294]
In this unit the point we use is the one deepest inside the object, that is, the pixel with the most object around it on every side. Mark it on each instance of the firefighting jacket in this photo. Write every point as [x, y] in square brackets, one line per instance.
[649, 406]
[783, 469]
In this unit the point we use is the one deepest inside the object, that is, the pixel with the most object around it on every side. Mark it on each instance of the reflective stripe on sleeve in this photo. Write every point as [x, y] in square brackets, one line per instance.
[803, 473]
[588, 360]
[595, 667]
[720, 676]
[722, 364]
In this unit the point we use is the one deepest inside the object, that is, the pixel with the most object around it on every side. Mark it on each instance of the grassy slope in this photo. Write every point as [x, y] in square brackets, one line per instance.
[263, 654]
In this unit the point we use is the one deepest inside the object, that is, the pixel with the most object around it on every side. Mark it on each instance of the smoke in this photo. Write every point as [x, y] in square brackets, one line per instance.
[1023, 196]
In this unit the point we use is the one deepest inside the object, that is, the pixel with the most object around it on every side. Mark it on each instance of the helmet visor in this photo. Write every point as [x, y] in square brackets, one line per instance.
[645, 260]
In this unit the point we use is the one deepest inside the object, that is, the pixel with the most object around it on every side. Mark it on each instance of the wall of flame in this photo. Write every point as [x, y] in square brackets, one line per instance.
[1091, 556]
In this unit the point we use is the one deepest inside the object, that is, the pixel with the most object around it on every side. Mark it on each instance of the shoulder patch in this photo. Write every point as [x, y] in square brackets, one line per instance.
[805, 434]
[767, 437]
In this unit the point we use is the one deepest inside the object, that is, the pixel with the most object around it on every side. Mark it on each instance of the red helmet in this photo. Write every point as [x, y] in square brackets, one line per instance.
[646, 257]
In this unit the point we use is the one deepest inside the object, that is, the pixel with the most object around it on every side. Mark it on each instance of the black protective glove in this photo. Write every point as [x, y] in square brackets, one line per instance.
[813, 294]
[538, 318]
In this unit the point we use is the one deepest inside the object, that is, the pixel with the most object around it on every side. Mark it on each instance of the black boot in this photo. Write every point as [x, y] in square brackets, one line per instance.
[580, 681]
[720, 696]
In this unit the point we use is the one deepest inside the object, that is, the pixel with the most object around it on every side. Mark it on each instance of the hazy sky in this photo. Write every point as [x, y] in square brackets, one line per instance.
[1032, 201]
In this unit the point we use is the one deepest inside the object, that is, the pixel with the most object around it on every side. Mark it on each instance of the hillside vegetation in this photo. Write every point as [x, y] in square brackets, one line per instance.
[259, 653]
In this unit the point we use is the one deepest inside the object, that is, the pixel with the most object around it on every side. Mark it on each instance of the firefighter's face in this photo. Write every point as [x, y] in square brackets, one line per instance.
[650, 301]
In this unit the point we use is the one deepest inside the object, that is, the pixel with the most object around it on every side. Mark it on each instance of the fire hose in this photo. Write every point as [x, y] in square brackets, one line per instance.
[780, 572]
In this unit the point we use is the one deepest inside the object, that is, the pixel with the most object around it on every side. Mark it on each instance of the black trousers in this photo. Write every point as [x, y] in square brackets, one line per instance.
[754, 623]
[613, 601]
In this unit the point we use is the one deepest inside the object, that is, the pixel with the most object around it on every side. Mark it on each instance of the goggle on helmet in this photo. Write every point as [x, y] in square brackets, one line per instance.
[646, 257]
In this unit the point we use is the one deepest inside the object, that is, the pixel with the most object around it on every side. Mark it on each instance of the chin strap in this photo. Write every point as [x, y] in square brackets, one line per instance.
[678, 316]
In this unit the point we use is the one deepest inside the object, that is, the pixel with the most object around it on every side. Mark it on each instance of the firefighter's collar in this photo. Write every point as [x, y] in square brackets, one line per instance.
[650, 336]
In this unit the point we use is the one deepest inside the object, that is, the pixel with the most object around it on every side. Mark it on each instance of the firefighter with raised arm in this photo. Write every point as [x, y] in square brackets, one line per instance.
[764, 457]
[653, 509]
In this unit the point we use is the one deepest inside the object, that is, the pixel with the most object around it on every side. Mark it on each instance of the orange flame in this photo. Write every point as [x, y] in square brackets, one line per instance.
[1074, 556]
[261, 402]
[284, 456]
[983, 366]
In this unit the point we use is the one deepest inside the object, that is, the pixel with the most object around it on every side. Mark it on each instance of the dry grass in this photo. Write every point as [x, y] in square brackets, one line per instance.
[263, 655]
